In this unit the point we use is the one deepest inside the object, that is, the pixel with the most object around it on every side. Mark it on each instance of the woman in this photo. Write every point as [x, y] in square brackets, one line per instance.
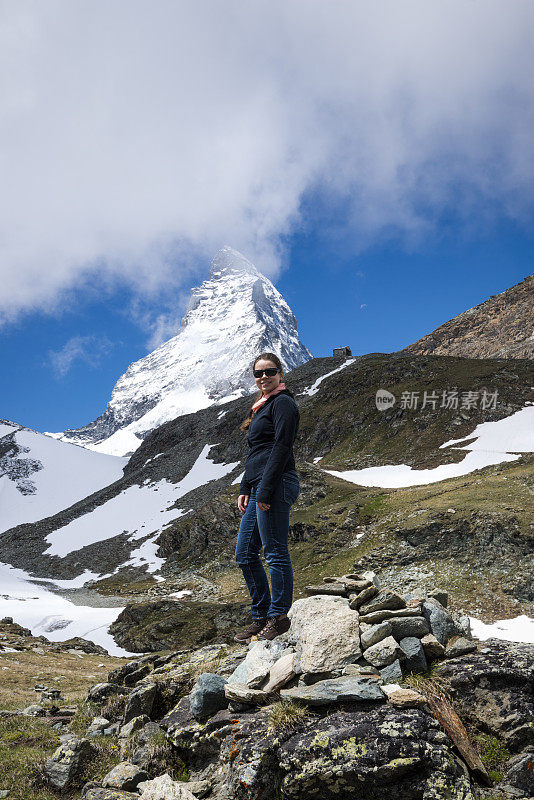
[269, 487]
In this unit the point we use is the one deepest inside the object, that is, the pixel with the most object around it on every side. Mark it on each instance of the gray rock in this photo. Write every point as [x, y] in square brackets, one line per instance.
[415, 660]
[97, 726]
[392, 673]
[198, 788]
[337, 589]
[100, 691]
[344, 689]
[408, 626]
[241, 693]
[459, 647]
[67, 762]
[440, 595]
[135, 724]
[326, 632]
[441, 623]
[165, 788]
[433, 649]
[258, 662]
[35, 710]
[465, 625]
[520, 773]
[384, 600]
[357, 600]
[281, 673]
[379, 616]
[91, 792]
[125, 776]
[383, 653]
[140, 702]
[207, 696]
[375, 633]
[360, 670]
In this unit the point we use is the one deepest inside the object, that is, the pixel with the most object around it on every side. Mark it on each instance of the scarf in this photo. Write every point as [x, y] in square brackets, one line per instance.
[259, 403]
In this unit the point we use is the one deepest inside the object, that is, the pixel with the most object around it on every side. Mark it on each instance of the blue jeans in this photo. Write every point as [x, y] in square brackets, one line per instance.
[270, 530]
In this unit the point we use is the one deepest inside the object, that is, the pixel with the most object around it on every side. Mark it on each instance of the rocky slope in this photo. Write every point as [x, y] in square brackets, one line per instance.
[474, 531]
[231, 317]
[369, 692]
[500, 327]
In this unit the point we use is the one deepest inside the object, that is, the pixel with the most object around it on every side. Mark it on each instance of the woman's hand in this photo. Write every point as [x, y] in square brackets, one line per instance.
[263, 506]
[242, 502]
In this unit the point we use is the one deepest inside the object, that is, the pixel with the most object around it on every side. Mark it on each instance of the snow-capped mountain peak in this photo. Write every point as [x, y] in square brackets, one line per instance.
[231, 318]
[228, 261]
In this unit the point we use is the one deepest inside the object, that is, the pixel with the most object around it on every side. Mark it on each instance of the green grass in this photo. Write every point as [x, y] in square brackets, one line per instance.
[493, 753]
[286, 716]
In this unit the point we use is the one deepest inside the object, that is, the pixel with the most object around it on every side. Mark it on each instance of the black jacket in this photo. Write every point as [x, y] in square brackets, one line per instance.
[270, 437]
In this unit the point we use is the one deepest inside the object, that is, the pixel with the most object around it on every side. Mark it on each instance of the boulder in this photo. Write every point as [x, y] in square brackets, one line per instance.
[440, 595]
[441, 623]
[357, 600]
[326, 631]
[408, 626]
[280, 673]
[165, 788]
[459, 647]
[406, 698]
[379, 616]
[241, 693]
[125, 776]
[98, 793]
[433, 649]
[336, 690]
[97, 726]
[375, 633]
[392, 673]
[140, 702]
[385, 752]
[493, 689]
[66, 763]
[133, 725]
[207, 696]
[360, 670]
[415, 660]
[383, 653]
[337, 589]
[384, 600]
[520, 773]
[101, 691]
[254, 669]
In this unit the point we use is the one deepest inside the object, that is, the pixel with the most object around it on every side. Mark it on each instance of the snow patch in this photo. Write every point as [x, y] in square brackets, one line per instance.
[519, 629]
[314, 388]
[497, 442]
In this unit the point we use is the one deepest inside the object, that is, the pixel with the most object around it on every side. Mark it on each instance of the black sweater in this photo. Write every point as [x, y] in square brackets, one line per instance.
[270, 437]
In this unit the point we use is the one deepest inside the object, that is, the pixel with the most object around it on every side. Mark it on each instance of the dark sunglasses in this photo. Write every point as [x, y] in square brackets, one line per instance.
[270, 372]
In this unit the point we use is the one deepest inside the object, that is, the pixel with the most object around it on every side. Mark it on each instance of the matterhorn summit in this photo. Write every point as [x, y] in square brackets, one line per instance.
[231, 317]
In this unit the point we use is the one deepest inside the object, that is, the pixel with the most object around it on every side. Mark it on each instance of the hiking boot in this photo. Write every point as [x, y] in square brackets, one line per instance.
[275, 626]
[253, 629]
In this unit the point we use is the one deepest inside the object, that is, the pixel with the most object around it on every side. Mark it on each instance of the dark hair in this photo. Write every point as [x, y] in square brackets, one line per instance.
[265, 357]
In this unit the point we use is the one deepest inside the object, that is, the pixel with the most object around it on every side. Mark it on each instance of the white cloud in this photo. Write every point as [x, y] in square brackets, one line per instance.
[137, 138]
[89, 349]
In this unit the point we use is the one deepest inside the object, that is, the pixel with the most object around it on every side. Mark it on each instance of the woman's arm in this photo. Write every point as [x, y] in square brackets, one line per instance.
[285, 416]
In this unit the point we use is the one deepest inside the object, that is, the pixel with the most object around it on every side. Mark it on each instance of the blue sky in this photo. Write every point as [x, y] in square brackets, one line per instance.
[376, 162]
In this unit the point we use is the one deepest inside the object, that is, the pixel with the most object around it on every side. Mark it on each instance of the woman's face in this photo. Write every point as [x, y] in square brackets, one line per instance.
[266, 384]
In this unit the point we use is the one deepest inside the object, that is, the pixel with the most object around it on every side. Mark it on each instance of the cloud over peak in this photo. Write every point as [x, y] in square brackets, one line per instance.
[138, 138]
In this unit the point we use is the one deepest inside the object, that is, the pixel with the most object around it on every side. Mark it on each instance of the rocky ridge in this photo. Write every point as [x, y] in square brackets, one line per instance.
[370, 691]
[500, 327]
